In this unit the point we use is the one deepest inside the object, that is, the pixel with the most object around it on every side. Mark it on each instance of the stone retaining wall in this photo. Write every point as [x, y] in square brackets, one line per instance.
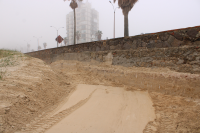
[177, 49]
[181, 59]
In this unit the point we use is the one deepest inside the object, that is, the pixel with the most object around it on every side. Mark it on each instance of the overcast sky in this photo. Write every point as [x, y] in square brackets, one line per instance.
[22, 19]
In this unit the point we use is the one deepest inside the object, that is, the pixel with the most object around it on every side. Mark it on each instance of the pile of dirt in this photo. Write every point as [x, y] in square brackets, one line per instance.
[28, 90]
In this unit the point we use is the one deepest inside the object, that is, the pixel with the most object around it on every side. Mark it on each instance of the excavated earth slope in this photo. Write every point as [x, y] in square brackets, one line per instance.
[175, 96]
[102, 98]
[28, 89]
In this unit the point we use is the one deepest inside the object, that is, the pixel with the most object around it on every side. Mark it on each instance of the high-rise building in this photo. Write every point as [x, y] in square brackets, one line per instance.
[87, 23]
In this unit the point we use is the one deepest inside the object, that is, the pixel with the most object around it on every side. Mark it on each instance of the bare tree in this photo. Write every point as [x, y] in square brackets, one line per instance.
[45, 45]
[99, 34]
[65, 41]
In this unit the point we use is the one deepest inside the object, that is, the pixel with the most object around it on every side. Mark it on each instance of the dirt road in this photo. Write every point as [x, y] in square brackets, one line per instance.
[109, 109]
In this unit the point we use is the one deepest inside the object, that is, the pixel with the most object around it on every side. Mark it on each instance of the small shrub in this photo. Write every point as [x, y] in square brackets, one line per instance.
[7, 52]
[8, 58]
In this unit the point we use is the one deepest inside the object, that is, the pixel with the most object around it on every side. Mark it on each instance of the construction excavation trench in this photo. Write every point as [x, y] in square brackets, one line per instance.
[101, 98]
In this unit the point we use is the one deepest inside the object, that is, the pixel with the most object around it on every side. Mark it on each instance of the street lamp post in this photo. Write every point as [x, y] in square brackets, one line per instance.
[57, 32]
[38, 40]
[114, 17]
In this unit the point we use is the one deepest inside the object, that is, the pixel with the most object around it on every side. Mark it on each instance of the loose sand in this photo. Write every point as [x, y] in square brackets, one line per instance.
[110, 109]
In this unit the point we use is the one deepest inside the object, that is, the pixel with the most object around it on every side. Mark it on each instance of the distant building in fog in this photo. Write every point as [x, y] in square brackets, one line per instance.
[87, 23]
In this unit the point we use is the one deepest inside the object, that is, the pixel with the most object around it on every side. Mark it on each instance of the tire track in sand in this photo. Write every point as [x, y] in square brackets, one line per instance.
[43, 125]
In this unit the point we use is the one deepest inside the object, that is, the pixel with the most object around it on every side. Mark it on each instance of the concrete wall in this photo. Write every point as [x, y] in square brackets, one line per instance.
[176, 49]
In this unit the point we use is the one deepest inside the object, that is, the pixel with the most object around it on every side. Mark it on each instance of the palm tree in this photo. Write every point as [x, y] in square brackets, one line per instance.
[126, 6]
[99, 34]
[74, 5]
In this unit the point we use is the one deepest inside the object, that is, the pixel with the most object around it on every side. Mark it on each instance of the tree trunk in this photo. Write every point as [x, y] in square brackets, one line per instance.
[74, 26]
[126, 32]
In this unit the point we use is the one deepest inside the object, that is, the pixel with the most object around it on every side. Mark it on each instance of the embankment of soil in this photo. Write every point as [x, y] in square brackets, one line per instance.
[31, 91]
[28, 90]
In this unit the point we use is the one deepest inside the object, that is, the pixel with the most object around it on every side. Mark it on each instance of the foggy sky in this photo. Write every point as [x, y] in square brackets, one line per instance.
[22, 19]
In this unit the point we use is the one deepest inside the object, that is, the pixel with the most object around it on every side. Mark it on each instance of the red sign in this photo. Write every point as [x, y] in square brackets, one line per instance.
[59, 39]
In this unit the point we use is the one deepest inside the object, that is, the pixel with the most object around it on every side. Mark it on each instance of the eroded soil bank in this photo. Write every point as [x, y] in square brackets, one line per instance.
[175, 96]
[29, 89]
[36, 97]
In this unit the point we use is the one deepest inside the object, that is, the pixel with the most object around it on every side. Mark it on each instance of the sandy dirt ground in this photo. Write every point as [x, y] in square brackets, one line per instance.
[175, 96]
[71, 96]
[109, 110]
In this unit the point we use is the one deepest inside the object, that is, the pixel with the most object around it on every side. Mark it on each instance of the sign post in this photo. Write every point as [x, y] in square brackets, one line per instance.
[59, 39]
